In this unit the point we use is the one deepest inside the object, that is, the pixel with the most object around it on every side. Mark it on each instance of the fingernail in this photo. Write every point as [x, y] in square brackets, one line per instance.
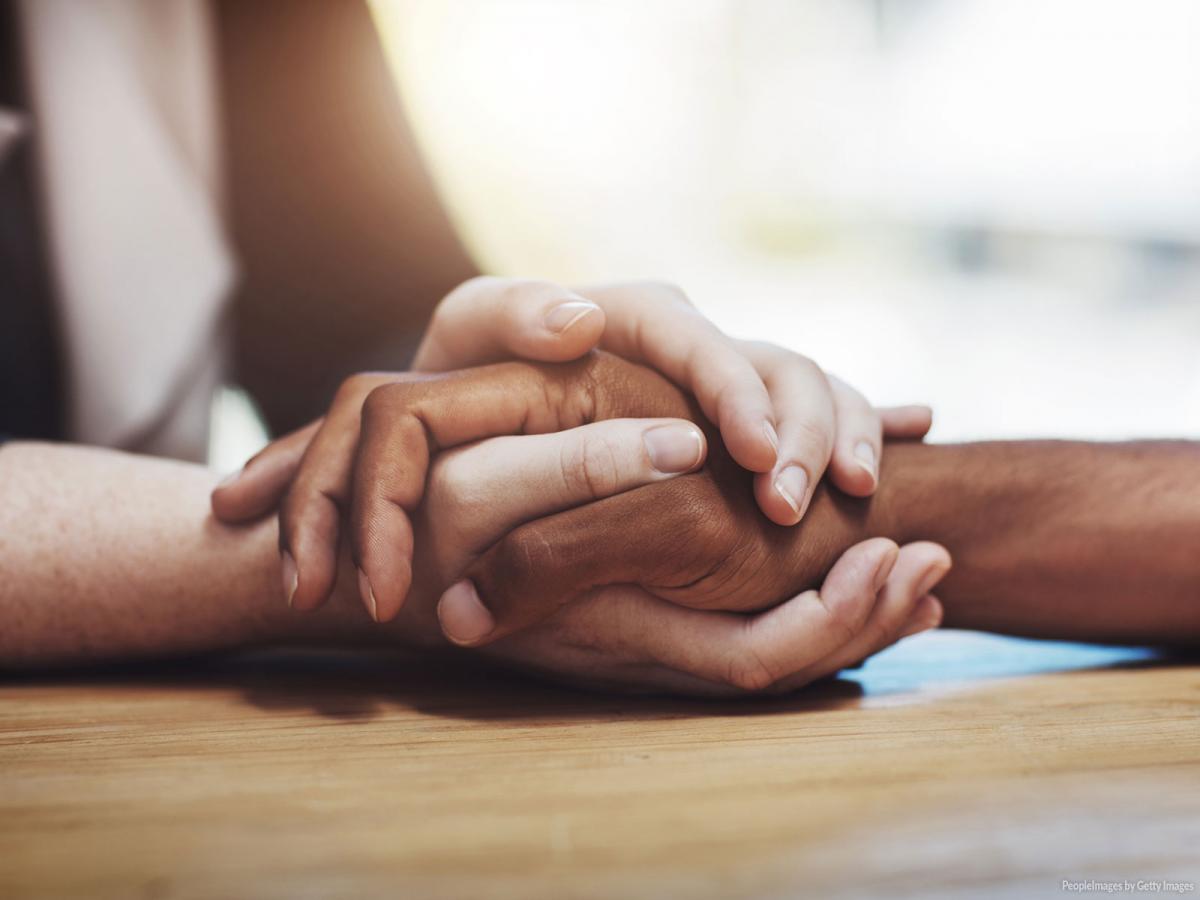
[865, 454]
[772, 435]
[231, 478]
[368, 595]
[291, 577]
[792, 484]
[932, 577]
[464, 618]
[673, 448]
[563, 316]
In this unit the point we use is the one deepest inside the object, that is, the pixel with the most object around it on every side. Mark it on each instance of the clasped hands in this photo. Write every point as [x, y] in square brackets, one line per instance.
[605, 488]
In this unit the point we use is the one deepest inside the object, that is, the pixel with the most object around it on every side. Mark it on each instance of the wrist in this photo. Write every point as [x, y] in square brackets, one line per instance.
[895, 511]
[835, 521]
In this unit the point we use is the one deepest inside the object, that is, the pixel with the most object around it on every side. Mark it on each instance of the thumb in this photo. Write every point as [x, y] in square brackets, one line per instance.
[541, 566]
[488, 319]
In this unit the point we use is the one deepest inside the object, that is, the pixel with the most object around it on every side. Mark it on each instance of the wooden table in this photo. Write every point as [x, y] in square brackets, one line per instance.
[953, 765]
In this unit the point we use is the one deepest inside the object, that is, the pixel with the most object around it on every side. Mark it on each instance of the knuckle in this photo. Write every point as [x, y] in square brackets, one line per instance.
[748, 671]
[766, 349]
[522, 553]
[799, 368]
[699, 504]
[356, 387]
[376, 404]
[386, 399]
[452, 486]
[590, 467]
[843, 620]
[812, 440]
[713, 561]
[583, 395]
[712, 520]
[740, 390]
[712, 529]
[848, 396]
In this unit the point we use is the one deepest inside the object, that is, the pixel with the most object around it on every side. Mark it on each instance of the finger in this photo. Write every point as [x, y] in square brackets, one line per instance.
[803, 400]
[540, 475]
[858, 444]
[388, 481]
[258, 486]
[906, 422]
[488, 319]
[490, 488]
[903, 603]
[494, 486]
[588, 646]
[752, 653]
[311, 512]
[401, 425]
[539, 567]
[928, 614]
[596, 644]
[673, 337]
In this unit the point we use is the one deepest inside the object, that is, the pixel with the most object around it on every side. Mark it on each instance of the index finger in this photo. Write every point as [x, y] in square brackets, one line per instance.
[405, 422]
[658, 326]
[751, 653]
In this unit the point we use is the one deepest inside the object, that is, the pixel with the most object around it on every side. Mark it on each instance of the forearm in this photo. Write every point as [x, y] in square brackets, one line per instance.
[343, 253]
[1055, 539]
[108, 556]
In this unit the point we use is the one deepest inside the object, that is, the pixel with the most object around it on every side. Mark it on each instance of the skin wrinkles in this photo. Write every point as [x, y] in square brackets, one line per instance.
[485, 320]
[406, 422]
[731, 558]
[695, 541]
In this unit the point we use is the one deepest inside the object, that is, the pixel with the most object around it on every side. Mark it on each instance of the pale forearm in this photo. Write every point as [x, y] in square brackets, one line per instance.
[1056, 539]
[107, 556]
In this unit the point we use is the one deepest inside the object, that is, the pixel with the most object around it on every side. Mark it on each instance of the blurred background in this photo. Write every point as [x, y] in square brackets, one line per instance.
[987, 205]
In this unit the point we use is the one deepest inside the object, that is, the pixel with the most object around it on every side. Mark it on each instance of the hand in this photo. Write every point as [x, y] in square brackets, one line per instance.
[478, 493]
[376, 471]
[311, 470]
[694, 542]
[623, 637]
[761, 397]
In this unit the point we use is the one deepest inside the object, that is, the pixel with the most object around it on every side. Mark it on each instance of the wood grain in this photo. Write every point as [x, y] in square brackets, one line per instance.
[953, 765]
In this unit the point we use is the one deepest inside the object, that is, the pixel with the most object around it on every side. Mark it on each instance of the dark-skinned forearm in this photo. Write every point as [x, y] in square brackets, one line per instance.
[1089, 541]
